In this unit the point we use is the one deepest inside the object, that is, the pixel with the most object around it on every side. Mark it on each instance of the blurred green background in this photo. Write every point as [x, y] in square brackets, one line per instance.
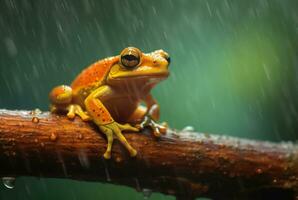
[234, 67]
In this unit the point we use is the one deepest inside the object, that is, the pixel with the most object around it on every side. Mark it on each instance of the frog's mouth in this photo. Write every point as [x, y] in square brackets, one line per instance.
[144, 73]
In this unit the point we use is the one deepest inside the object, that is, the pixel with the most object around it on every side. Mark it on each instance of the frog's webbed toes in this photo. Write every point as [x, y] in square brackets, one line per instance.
[115, 128]
[158, 129]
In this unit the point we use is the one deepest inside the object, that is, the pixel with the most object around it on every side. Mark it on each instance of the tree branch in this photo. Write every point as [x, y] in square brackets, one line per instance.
[183, 164]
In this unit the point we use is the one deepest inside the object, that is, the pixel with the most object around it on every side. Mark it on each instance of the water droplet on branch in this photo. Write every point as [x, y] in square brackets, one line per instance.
[9, 182]
[188, 129]
[35, 120]
[53, 137]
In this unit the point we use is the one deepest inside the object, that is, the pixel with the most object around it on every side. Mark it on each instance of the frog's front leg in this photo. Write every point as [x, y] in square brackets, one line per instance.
[102, 118]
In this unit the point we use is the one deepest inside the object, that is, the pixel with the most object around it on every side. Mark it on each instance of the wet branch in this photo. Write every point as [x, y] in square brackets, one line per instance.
[183, 164]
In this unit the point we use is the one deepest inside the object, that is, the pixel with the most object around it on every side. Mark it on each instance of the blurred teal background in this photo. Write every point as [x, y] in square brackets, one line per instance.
[234, 67]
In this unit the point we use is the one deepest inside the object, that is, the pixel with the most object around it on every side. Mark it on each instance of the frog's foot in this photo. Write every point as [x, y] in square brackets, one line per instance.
[158, 129]
[74, 109]
[115, 128]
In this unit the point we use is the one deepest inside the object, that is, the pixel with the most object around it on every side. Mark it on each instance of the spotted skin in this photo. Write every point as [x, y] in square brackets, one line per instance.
[93, 75]
[98, 112]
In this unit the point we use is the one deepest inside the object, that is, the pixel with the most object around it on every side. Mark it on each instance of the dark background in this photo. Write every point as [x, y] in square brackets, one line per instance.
[234, 66]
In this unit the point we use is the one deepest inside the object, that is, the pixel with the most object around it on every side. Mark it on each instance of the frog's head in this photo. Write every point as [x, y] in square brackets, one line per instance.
[134, 65]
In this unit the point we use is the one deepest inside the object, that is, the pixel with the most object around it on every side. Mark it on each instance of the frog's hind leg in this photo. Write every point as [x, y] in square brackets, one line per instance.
[61, 98]
[61, 95]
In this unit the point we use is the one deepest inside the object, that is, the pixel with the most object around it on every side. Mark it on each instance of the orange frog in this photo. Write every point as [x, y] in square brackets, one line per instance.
[110, 91]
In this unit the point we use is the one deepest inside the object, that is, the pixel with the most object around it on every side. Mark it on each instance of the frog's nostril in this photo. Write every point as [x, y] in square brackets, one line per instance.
[168, 59]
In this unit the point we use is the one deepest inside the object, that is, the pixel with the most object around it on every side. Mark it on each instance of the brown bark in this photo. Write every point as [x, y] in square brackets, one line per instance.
[183, 164]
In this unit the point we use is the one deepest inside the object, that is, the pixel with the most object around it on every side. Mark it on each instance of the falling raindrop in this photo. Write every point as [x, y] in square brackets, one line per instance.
[107, 171]
[107, 174]
[9, 182]
[11, 46]
[83, 158]
[146, 193]
[138, 186]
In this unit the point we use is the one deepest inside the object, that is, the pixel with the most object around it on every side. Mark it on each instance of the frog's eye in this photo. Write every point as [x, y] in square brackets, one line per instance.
[130, 57]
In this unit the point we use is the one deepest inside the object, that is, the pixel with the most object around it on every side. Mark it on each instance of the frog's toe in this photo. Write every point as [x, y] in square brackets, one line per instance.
[71, 115]
[158, 129]
[146, 122]
[107, 155]
[79, 111]
[71, 111]
[133, 153]
[85, 118]
[163, 127]
[165, 124]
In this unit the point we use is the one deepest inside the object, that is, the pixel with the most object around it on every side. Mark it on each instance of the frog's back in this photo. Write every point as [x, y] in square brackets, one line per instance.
[91, 78]
[93, 75]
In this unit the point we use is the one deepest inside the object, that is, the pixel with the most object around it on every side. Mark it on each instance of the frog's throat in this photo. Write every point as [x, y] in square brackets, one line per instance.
[142, 80]
[155, 75]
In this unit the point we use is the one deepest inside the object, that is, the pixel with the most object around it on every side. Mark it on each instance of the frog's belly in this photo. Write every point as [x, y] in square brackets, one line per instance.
[121, 105]
[121, 108]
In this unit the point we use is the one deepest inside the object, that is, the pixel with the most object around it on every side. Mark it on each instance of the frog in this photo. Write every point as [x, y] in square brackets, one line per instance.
[115, 94]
